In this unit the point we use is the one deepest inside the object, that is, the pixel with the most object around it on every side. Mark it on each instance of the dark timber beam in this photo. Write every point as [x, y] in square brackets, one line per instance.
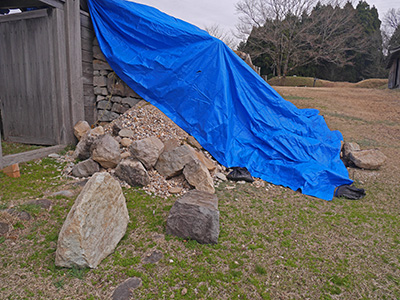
[11, 4]
[9, 160]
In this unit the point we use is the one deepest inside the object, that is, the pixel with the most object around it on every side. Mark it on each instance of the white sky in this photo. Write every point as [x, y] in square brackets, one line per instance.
[209, 12]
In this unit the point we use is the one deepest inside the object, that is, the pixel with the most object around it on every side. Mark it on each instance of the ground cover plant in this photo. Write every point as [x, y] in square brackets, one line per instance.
[274, 243]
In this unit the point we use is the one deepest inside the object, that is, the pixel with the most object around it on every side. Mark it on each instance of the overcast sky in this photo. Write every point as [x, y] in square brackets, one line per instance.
[209, 12]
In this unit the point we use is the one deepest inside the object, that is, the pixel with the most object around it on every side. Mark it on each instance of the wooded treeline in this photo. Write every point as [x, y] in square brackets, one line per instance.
[327, 40]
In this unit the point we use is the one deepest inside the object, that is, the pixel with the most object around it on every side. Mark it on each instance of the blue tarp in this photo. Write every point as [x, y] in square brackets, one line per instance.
[205, 88]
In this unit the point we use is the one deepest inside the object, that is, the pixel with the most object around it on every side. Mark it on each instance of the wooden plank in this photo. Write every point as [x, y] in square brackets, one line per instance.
[87, 79]
[87, 56]
[87, 45]
[30, 3]
[40, 13]
[74, 62]
[59, 67]
[9, 160]
[87, 34]
[85, 20]
[87, 68]
[1, 154]
[88, 89]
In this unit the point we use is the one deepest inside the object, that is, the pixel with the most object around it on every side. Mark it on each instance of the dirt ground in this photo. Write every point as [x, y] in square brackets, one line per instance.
[370, 117]
[274, 243]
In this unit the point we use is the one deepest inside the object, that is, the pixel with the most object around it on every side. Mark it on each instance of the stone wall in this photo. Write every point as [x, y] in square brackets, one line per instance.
[113, 96]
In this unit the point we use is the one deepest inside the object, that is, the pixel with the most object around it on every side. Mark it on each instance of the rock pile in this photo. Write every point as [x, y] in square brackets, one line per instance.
[145, 148]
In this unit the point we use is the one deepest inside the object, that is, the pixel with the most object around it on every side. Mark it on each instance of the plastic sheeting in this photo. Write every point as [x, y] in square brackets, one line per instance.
[205, 88]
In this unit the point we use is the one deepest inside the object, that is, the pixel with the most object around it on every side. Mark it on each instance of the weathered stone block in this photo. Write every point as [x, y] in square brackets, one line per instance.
[95, 224]
[147, 151]
[105, 150]
[132, 172]
[85, 168]
[106, 115]
[118, 108]
[368, 159]
[130, 101]
[101, 65]
[195, 216]
[105, 105]
[80, 129]
[171, 163]
[82, 150]
[100, 81]
[198, 176]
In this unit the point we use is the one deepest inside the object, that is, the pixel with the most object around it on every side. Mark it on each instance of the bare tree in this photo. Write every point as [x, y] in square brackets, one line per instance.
[216, 31]
[294, 33]
[391, 23]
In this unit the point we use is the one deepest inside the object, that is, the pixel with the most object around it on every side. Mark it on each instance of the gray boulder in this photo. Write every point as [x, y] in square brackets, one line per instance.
[195, 216]
[82, 150]
[171, 163]
[105, 150]
[85, 168]
[147, 151]
[198, 176]
[124, 290]
[95, 224]
[132, 172]
[367, 159]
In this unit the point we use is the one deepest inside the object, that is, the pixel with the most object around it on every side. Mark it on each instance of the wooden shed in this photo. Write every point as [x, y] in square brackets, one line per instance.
[394, 68]
[46, 71]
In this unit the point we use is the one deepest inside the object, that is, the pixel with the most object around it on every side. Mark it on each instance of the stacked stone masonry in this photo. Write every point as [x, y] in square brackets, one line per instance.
[113, 96]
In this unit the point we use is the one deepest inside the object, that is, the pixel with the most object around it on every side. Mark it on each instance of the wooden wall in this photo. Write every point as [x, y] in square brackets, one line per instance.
[87, 37]
[27, 79]
[41, 74]
[394, 74]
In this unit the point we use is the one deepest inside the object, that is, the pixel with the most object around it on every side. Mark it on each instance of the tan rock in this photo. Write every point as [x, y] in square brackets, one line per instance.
[368, 159]
[126, 142]
[193, 142]
[105, 150]
[198, 176]
[80, 129]
[95, 224]
[207, 162]
[147, 151]
[175, 190]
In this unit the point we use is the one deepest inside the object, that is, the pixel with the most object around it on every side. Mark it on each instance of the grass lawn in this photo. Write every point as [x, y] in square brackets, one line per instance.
[274, 243]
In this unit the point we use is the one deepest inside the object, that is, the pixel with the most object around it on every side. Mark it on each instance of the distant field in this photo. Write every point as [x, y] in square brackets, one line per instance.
[309, 81]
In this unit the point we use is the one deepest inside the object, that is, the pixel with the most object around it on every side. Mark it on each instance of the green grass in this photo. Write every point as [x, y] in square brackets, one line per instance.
[271, 244]
[14, 148]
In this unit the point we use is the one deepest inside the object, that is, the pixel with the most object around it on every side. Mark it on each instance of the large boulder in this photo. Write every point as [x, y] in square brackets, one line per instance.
[171, 163]
[105, 150]
[95, 224]
[132, 172]
[195, 216]
[85, 168]
[367, 159]
[147, 151]
[198, 176]
[82, 150]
